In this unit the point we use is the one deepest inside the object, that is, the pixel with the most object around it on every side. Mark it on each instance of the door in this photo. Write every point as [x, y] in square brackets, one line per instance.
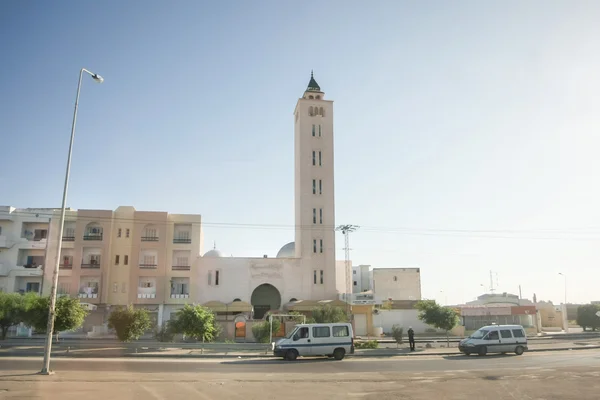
[301, 341]
[493, 342]
[360, 324]
[321, 341]
[508, 342]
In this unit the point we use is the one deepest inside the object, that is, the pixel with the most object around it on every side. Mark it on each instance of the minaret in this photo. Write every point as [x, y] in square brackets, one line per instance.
[314, 191]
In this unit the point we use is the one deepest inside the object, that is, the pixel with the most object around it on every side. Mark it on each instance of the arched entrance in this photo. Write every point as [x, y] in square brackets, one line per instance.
[264, 298]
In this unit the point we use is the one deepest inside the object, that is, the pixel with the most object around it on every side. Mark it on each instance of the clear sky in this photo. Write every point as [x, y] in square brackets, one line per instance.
[467, 133]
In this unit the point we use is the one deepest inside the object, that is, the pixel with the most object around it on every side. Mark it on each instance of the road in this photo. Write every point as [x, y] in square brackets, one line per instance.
[556, 375]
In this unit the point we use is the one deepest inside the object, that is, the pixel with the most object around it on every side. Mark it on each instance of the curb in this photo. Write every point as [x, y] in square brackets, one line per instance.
[244, 356]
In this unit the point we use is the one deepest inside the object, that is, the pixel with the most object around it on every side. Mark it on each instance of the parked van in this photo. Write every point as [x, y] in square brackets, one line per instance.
[495, 339]
[331, 340]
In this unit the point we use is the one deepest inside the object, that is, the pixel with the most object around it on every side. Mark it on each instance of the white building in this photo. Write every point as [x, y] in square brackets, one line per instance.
[23, 245]
[386, 283]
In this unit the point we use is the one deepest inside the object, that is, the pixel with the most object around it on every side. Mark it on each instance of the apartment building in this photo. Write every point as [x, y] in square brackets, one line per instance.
[23, 247]
[125, 257]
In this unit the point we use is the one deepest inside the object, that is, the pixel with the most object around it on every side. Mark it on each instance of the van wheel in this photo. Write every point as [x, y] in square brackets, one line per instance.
[467, 353]
[339, 354]
[291, 355]
[519, 350]
[482, 351]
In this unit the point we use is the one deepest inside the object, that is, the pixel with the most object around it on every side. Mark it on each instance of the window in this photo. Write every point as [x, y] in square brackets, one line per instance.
[314, 158]
[320, 158]
[125, 260]
[116, 260]
[321, 277]
[353, 272]
[355, 283]
[320, 331]
[32, 287]
[149, 260]
[518, 333]
[320, 186]
[40, 234]
[115, 287]
[314, 245]
[321, 245]
[505, 334]
[209, 278]
[119, 232]
[95, 259]
[320, 216]
[319, 130]
[313, 130]
[64, 288]
[310, 111]
[314, 215]
[216, 278]
[127, 232]
[340, 331]
[315, 276]
[395, 278]
[321, 112]
[314, 186]
[146, 283]
[182, 261]
[493, 335]
[303, 333]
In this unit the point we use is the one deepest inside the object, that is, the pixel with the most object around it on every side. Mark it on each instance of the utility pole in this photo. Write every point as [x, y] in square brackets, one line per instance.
[346, 229]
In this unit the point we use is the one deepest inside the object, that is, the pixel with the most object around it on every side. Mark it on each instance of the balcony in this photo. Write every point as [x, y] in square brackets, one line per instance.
[67, 266]
[149, 238]
[92, 264]
[87, 295]
[180, 267]
[146, 295]
[148, 266]
[70, 238]
[182, 240]
[33, 244]
[180, 296]
[92, 236]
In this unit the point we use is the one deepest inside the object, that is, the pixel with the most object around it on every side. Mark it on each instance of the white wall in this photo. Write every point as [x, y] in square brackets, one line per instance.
[404, 318]
[397, 283]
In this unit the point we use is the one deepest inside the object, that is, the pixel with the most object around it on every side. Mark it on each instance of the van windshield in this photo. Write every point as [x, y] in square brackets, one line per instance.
[479, 334]
[289, 335]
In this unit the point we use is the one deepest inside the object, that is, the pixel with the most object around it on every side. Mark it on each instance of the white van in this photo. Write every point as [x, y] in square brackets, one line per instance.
[331, 340]
[495, 339]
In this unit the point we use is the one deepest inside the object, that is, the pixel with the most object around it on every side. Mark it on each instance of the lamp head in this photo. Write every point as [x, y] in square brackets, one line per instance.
[98, 78]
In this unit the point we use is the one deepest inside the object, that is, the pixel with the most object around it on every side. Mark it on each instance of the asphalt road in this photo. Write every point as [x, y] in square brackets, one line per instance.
[582, 358]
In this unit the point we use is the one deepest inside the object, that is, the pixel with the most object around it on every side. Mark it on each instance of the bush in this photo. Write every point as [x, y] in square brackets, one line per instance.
[369, 344]
[262, 330]
[328, 315]
[397, 333]
[164, 333]
[69, 314]
[587, 318]
[196, 322]
[129, 324]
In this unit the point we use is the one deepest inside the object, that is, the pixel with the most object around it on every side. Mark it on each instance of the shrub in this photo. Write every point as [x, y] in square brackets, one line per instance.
[164, 333]
[262, 330]
[196, 322]
[328, 315]
[129, 324]
[397, 332]
[368, 344]
[69, 314]
[587, 318]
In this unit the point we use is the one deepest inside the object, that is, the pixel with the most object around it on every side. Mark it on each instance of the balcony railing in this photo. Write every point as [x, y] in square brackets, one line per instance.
[146, 295]
[66, 266]
[180, 268]
[68, 238]
[92, 236]
[182, 240]
[180, 296]
[148, 266]
[88, 296]
[149, 238]
[90, 265]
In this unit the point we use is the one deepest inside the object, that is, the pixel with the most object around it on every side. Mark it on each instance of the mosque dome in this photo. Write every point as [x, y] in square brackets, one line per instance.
[214, 253]
[287, 251]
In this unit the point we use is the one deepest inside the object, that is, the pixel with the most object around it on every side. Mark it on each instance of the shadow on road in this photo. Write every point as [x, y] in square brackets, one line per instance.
[279, 361]
[463, 357]
[15, 375]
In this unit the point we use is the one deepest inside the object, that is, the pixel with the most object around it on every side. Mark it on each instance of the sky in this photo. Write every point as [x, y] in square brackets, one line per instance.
[466, 133]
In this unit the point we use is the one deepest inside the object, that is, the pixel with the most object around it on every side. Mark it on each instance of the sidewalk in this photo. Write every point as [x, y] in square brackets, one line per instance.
[139, 350]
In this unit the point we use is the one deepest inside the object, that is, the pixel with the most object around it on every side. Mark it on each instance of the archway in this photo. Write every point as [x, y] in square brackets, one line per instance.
[264, 298]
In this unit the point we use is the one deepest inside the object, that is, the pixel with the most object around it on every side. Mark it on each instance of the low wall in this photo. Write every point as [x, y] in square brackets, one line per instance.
[404, 318]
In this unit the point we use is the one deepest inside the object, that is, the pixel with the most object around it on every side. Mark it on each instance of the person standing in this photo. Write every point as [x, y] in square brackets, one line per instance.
[411, 338]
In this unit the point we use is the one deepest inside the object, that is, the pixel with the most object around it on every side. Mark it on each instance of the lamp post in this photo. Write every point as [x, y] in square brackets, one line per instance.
[565, 311]
[52, 310]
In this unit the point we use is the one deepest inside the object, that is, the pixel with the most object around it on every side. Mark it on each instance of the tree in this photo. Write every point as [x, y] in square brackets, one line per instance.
[128, 323]
[586, 316]
[12, 311]
[328, 314]
[196, 322]
[397, 332]
[435, 315]
[69, 314]
[262, 330]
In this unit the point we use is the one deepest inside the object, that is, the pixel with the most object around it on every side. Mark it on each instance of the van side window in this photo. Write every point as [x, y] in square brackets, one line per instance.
[518, 333]
[505, 333]
[340, 331]
[320, 331]
[493, 335]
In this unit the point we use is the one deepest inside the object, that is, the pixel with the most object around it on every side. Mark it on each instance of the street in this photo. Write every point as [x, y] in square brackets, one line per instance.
[552, 375]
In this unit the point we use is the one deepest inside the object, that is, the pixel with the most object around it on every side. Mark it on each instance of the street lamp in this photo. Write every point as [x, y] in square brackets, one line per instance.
[564, 276]
[565, 310]
[52, 310]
